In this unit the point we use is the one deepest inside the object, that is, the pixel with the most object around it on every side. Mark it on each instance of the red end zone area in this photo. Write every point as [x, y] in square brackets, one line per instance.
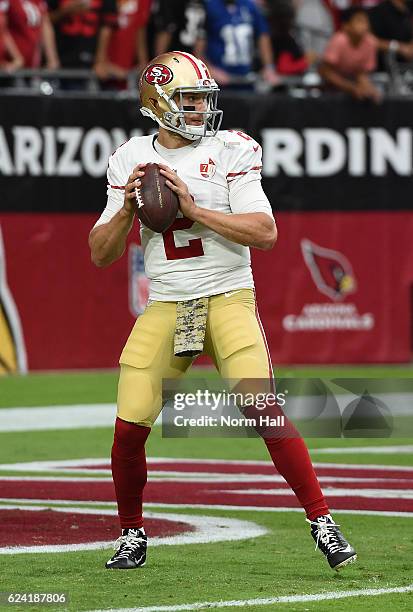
[207, 484]
[48, 527]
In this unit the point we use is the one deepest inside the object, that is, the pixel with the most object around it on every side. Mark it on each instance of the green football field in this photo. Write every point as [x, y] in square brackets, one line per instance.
[56, 493]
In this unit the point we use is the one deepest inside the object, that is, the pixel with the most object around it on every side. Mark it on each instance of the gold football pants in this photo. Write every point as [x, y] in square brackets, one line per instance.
[234, 340]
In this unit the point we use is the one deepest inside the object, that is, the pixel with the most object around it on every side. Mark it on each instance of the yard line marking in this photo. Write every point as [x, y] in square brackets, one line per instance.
[240, 603]
[258, 478]
[208, 529]
[368, 450]
[104, 461]
[69, 502]
[364, 466]
[105, 476]
[56, 478]
[329, 492]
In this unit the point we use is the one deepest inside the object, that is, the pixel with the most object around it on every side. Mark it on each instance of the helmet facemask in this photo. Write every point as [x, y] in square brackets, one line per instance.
[174, 119]
[211, 118]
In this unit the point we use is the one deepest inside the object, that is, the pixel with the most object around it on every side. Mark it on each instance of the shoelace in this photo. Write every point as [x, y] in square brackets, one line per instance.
[327, 535]
[126, 544]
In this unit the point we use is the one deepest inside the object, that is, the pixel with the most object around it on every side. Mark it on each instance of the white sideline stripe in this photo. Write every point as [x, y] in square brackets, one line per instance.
[220, 476]
[366, 450]
[241, 603]
[74, 416]
[194, 477]
[54, 479]
[69, 502]
[344, 466]
[394, 513]
[208, 529]
[365, 466]
[329, 492]
[44, 466]
[57, 417]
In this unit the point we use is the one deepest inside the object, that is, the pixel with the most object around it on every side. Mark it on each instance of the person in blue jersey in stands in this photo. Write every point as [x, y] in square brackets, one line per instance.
[233, 30]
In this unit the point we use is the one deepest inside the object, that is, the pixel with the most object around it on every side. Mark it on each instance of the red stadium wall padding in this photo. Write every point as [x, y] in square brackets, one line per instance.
[310, 315]
[336, 289]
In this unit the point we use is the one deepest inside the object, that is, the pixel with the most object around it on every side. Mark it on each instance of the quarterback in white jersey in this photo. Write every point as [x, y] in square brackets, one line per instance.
[201, 287]
[192, 260]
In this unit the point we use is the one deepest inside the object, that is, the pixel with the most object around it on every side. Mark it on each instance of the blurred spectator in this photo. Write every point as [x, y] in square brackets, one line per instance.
[10, 57]
[316, 23]
[83, 31]
[289, 56]
[178, 24]
[30, 27]
[233, 28]
[350, 56]
[337, 6]
[128, 46]
[151, 30]
[391, 22]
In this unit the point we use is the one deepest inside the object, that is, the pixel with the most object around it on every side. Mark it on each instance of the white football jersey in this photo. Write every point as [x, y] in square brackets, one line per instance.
[190, 260]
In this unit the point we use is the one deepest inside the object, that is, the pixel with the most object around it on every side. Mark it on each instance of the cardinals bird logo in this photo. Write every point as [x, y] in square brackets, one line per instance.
[331, 271]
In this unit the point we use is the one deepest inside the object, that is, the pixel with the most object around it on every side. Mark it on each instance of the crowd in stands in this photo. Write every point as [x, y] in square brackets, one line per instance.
[344, 40]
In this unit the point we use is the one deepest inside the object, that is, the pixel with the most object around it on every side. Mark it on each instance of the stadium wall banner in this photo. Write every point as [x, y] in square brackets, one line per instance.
[327, 153]
[336, 289]
[338, 173]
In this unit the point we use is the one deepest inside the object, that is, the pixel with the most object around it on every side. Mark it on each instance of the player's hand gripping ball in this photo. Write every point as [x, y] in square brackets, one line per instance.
[157, 204]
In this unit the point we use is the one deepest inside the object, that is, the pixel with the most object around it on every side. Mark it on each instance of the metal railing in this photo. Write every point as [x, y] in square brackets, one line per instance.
[398, 80]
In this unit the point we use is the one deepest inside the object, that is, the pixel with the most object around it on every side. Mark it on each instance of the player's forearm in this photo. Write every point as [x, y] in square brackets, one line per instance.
[108, 241]
[250, 229]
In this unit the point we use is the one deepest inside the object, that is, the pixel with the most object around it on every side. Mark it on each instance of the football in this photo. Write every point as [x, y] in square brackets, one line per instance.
[157, 205]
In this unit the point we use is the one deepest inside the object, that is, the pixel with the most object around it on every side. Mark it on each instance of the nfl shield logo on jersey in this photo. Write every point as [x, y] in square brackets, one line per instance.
[208, 170]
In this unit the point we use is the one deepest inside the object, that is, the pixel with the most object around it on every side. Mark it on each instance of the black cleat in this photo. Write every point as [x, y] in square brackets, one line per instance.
[130, 550]
[329, 539]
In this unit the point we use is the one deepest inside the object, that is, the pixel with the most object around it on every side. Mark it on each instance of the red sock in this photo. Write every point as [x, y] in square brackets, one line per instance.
[292, 460]
[129, 471]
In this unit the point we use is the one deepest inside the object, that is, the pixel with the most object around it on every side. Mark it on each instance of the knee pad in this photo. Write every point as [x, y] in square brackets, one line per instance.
[139, 396]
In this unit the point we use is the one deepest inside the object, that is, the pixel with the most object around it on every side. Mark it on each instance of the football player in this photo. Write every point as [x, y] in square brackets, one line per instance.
[199, 269]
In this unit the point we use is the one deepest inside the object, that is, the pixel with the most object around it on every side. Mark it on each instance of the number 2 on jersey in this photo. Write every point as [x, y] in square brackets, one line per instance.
[194, 247]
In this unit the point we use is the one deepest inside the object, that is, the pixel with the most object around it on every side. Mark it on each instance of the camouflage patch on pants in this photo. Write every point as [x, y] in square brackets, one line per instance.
[191, 318]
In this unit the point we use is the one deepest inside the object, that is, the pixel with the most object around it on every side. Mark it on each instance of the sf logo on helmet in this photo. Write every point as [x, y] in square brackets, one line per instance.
[158, 74]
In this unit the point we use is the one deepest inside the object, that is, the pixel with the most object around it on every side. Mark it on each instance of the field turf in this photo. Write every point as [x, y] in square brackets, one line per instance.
[280, 563]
